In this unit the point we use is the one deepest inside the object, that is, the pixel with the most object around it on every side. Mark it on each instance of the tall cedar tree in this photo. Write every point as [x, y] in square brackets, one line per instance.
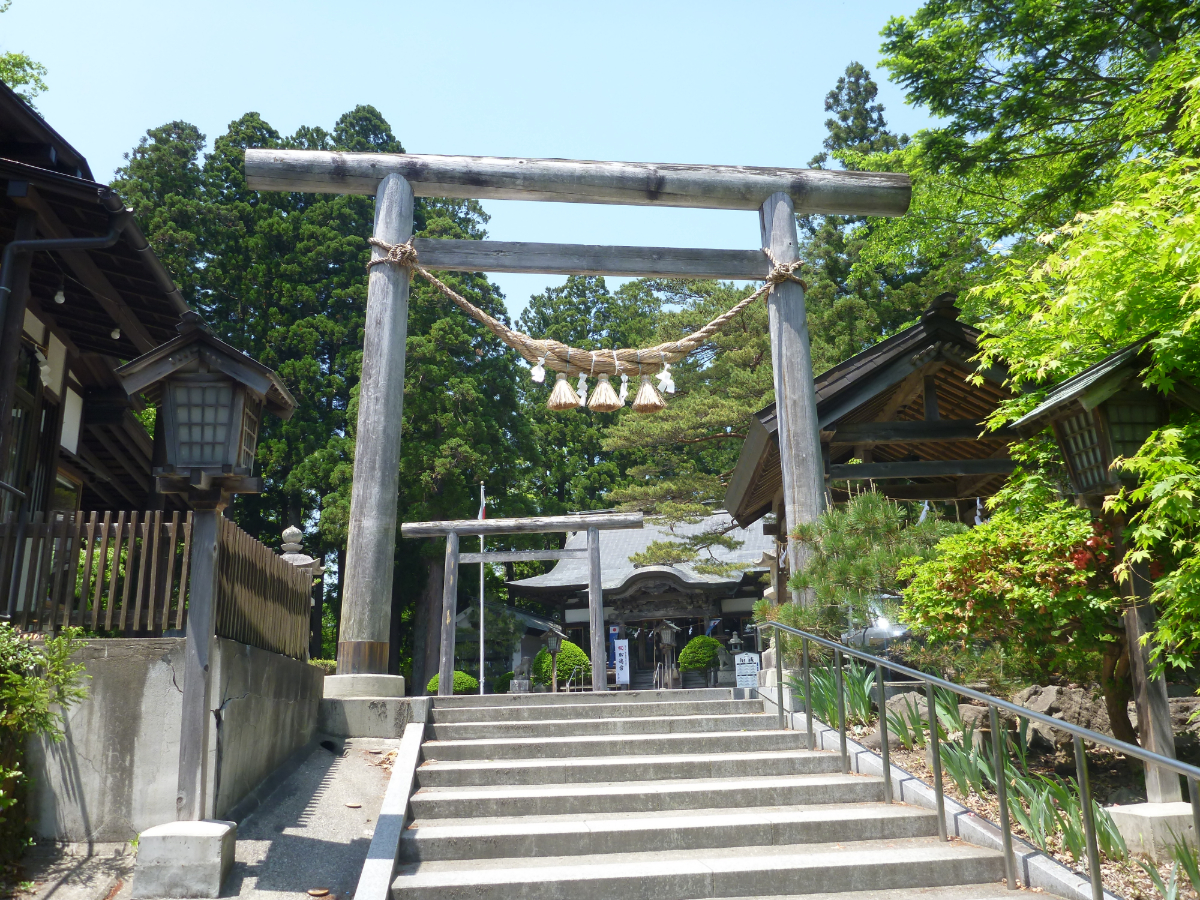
[283, 277]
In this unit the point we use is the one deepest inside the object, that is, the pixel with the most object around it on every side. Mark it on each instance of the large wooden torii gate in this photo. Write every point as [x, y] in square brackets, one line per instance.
[395, 179]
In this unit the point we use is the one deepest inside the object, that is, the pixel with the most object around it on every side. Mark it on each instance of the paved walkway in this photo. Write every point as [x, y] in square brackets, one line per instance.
[312, 832]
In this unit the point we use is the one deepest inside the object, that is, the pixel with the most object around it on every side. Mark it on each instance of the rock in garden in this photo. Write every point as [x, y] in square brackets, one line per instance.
[1074, 705]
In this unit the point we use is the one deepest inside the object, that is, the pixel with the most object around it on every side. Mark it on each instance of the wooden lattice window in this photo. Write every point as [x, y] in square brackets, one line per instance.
[1130, 422]
[1082, 444]
[250, 421]
[202, 417]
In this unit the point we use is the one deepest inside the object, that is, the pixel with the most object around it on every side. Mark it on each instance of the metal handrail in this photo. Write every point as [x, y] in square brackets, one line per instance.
[994, 704]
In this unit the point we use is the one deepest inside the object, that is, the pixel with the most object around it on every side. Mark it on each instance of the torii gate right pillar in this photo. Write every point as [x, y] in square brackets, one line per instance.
[795, 395]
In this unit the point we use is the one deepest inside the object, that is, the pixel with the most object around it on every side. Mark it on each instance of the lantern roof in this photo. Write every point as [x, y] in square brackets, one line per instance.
[196, 342]
[1098, 383]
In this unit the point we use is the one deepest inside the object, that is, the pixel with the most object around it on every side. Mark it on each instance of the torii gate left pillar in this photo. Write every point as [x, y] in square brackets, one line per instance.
[371, 542]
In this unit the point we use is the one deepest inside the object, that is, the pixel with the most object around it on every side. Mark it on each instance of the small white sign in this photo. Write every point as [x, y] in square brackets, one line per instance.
[745, 667]
[622, 661]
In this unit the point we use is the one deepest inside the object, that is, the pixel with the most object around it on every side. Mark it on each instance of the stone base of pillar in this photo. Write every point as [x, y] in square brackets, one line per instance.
[184, 859]
[344, 687]
[1151, 829]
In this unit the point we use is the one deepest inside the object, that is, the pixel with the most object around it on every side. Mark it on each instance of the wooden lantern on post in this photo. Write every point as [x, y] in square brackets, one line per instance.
[1100, 415]
[212, 398]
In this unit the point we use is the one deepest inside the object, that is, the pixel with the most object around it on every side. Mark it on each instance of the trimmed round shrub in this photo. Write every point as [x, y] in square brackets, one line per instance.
[463, 684]
[573, 665]
[328, 666]
[700, 653]
[502, 684]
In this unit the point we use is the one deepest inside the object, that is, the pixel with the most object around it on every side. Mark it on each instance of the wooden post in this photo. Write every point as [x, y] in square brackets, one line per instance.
[795, 398]
[371, 542]
[1150, 694]
[202, 601]
[10, 333]
[449, 612]
[596, 612]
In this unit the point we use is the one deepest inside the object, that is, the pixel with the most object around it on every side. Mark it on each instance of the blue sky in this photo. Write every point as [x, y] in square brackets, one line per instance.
[695, 82]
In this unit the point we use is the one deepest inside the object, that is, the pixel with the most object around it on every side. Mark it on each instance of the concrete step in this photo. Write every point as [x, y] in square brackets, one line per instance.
[510, 713]
[609, 769]
[429, 839]
[704, 873]
[565, 727]
[574, 697]
[616, 745]
[643, 796]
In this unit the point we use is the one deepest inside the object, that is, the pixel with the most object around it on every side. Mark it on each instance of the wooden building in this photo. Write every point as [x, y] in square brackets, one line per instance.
[901, 416]
[73, 440]
[638, 599]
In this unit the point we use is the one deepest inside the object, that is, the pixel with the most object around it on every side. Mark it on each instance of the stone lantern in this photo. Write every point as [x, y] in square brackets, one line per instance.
[292, 536]
[1103, 413]
[553, 640]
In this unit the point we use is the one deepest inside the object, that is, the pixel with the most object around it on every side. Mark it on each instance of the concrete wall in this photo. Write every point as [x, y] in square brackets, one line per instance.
[265, 707]
[116, 771]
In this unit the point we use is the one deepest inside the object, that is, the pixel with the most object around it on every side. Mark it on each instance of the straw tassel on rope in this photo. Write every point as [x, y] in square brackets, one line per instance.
[545, 354]
[648, 399]
[562, 397]
[604, 398]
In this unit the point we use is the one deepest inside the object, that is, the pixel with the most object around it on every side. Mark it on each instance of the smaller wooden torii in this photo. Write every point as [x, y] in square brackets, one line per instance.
[592, 523]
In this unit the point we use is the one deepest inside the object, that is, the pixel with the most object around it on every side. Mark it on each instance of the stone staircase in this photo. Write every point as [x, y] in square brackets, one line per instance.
[659, 795]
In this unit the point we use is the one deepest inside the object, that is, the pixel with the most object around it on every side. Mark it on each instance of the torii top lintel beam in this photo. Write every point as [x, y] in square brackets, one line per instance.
[581, 181]
[523, 525]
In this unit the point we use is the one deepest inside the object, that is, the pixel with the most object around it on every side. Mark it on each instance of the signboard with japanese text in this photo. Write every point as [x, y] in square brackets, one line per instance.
[745, 667]
[621, 657]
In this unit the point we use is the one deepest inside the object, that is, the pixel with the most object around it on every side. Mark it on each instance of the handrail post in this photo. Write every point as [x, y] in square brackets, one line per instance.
[884, 750]
[935, 753]
[998, 754]
[840, 688]
[1089, 820]
[779, 678]
[808, 710]
[1194, 795]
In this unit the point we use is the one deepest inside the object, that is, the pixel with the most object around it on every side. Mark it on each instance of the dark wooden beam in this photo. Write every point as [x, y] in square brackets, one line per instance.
[924, 468]
[121, 456]
[916, 432]
[88, 273]
[944, 491]
[931, 404]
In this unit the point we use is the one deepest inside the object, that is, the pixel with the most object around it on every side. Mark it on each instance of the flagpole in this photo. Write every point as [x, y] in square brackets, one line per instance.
[482, 508]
